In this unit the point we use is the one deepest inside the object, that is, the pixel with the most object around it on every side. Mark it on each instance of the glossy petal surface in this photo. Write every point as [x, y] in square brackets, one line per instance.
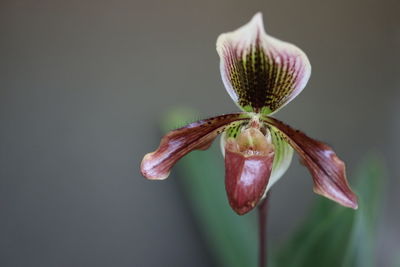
[260, 72]
[248, 165]
[283, 151]
[327, 170]
[177, 143]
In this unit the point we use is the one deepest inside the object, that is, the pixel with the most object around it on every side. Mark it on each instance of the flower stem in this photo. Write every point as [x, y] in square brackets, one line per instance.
[262, 231]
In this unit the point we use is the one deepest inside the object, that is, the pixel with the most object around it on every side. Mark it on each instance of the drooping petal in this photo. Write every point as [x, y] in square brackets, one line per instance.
[328, 171]
[177, 143]
[248, 165]
[260, 72]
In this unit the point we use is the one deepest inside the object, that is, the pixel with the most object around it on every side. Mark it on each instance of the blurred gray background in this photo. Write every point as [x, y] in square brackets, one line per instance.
[84, 84]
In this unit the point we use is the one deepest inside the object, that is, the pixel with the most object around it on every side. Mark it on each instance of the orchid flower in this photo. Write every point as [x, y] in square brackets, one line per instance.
[261, 74]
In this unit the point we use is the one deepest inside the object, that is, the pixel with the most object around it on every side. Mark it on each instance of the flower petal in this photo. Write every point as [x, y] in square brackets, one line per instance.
[283, 151]
[247, 171]
[177, 143]
[260, 72]
[327, 170]
[283, 156]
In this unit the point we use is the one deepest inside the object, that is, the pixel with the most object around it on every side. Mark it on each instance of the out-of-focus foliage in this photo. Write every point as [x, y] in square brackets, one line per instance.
[335, 236]
[330, 235]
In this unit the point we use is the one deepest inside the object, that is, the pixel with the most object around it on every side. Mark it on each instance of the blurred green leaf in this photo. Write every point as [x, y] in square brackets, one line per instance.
[360, 251]
[336, 236]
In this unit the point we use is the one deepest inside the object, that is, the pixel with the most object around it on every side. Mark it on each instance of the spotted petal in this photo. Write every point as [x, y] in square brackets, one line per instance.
[260, 72]
[177, 143]
[327, 170]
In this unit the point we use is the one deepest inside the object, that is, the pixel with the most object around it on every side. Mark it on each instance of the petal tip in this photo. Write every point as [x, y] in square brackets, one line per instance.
[243, 210]
[346, 199]
[246, 32]
[147, 168]
[350, 203]
[353, 203]
[258, 19]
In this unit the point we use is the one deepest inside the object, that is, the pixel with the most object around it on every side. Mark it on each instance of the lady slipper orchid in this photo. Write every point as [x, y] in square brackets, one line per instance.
[261, 74]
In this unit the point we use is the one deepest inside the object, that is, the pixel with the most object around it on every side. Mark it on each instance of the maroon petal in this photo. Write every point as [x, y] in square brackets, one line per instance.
[177, 143]
[247, 174]
[327, 170]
